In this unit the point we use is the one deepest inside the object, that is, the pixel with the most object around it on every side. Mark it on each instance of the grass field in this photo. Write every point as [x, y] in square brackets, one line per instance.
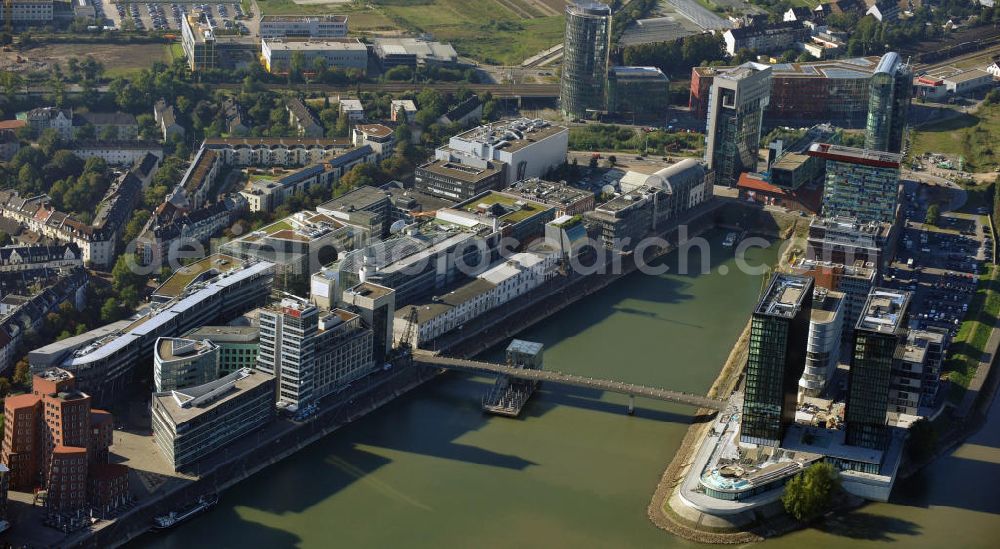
[972, 135]
[490, 31]
[974, 333]
[175, 51]
[361, 17]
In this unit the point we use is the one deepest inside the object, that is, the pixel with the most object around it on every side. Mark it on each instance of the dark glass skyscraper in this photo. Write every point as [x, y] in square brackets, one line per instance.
[888, 104]
[585, 58]
[779, 329]
[880, 331]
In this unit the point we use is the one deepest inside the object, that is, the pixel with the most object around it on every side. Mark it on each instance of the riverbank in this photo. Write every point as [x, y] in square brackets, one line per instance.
[669, 513]
[229, 471]
[659, 510]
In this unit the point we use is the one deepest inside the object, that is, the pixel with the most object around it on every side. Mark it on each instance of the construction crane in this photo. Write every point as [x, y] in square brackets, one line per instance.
[406, 345]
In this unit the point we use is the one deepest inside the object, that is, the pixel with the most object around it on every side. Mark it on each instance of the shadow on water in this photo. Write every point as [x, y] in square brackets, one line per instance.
[468, 389]
[946, 484]
[863, 526]
[239, 533]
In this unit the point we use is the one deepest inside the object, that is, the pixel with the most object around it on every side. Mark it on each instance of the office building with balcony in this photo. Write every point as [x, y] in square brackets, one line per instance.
[586, 47]
[860, 183]
[889, 104]
[196, 422]
[311, 353]
[916, 375]
[735, 113]
[779, 331]
[844, 240]
[878, 338]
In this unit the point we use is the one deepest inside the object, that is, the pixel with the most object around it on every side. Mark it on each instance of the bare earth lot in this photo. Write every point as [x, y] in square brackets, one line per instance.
[116, 58]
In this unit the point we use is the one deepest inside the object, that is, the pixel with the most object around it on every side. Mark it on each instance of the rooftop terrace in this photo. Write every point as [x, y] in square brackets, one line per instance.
[516, 208]
[183, 277]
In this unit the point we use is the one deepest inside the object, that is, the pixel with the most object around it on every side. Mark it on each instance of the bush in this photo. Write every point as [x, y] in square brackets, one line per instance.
[933, 214]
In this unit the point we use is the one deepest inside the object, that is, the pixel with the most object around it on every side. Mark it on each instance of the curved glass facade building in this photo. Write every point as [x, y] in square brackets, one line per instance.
[585, 58]
[888, 103]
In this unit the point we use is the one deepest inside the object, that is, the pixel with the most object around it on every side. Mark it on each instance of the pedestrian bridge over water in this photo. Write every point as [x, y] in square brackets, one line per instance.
[427, 358]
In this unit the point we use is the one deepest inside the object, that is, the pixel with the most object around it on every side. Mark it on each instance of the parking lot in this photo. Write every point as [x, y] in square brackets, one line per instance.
[165, 16]
[941, 264]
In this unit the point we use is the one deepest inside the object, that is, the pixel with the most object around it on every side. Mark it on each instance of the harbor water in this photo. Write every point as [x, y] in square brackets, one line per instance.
[431, 470]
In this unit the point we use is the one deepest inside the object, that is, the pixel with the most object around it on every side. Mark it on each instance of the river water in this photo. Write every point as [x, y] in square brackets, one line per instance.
[430, 470]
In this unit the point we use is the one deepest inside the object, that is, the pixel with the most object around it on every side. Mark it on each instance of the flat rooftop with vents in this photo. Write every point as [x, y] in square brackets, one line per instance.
[884, 311]
[784, 295]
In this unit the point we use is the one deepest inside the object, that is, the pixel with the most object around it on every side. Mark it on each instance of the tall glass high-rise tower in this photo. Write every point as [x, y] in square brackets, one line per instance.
[779, 330]
[877, 337]
[888, 104]
[735, 112]
[586, 47]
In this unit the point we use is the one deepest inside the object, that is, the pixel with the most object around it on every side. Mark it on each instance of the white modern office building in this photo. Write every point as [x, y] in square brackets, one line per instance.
[193, 423]
[527, 147]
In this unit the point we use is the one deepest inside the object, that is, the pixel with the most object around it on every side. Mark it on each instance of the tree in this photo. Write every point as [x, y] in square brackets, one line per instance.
[298, 62]
[109, 311]
[4, 238]
[933, 214]
[22, 373]
[810, 493]
[4, 386]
